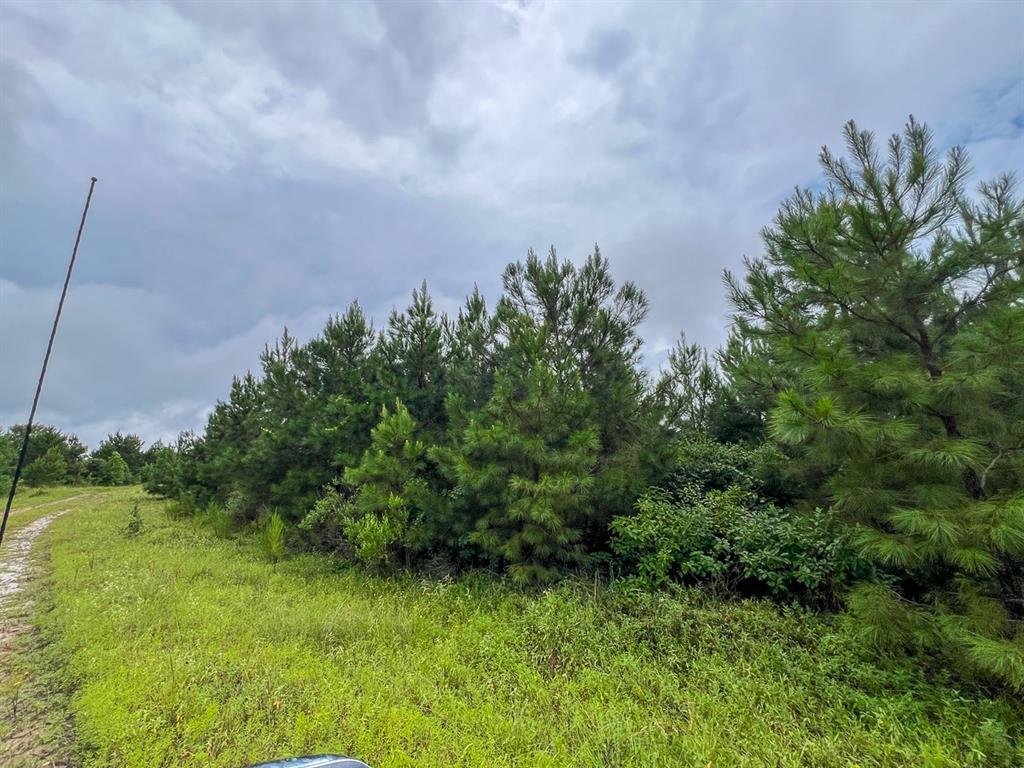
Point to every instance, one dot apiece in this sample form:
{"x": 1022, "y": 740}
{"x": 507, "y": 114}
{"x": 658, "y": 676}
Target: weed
{"x": 134, "y": 526}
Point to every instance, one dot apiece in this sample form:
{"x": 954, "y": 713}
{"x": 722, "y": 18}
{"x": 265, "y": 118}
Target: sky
{"x": 262, "y": 165}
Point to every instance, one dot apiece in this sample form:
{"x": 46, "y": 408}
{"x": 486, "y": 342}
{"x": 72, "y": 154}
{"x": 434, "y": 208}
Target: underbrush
{"x": 187, "y": 649}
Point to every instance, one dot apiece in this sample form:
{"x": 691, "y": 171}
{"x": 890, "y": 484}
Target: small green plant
{"x": 219, "y": 519}
{"x": 373, "y": 537}
{"x": 272, "y": 538}
{"x": 134, "y": 526}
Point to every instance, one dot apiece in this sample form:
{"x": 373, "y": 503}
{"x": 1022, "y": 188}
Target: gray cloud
{"x": 264, "y": 164}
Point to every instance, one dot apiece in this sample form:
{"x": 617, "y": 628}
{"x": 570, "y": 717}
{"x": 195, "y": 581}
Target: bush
{"x": 322, "y": 527}
{"x": 111, "y": 470}
{"x": 733, "y": 540}
{"x": 134, "y": 525}
{"x": 240, "y": 507}
{"x": 337, "y": 523}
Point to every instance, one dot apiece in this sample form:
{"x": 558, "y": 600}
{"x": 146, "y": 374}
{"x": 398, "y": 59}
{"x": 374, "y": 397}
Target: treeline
{"x": 859, "y": 440}
{"x": 56, "y": 458}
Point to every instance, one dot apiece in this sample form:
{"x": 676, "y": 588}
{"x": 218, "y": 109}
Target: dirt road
{"x": 33, "y": 725}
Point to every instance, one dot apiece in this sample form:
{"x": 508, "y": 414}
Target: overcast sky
{"x": 264, "y": 164}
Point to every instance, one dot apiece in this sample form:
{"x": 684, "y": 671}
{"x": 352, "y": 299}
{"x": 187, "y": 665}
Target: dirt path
{"x": 65, "y": 500}
{"x": 33, "y": 728}
{"x": 14, "y": 557}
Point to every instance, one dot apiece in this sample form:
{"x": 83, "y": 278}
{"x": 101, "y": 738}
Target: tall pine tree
{"x": 888, "y": 316}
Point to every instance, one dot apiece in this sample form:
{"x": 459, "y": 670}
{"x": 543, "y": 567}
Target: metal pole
{"x": 46, "y": 360}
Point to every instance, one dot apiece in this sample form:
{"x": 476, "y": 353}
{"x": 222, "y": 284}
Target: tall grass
{"x": 219, "y": 519}
{"x": 189, "y": 650}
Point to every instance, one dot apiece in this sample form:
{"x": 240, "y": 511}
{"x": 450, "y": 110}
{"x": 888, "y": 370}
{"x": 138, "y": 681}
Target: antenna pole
{"x": 46, "y": 360}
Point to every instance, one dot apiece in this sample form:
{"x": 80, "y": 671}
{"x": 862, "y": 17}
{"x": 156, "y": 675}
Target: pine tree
{"x": 470, "y": 346}
{"x": 113, "y": 470}
{"x": 526, "y": 461}
{"x": 588, "y": 331}
{"x": 49, "y": 469}
{"x": 161, "y": 475}
{"x": 888, "y": 316}
{"x": 410, "y": 362}
{"x": 385, "y": 505}
{"x": 687, "y": 389}
{"x": 42, "y": 439}
{"x": 128, "y": 446}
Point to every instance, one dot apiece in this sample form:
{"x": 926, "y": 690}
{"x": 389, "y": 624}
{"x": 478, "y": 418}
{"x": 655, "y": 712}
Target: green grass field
{"x": 184, "y": 649}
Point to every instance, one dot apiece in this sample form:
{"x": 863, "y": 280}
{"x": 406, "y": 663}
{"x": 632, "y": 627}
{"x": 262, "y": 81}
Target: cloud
{"x": 117, "y": 361}
{"x": 268, "y": 163}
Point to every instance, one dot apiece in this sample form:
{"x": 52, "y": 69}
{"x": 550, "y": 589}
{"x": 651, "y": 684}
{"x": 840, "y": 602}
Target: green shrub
{"x": 323, "y": 526}
{"x": 134, "y": 525}
{"x": 338, "y": 523}
{"x": 162, "y": 476}
{"x": 240, "y": 507}
{"x": 272, "y": 538}
{"x": 112, "y": 470}
{"x": 734, "y": 541}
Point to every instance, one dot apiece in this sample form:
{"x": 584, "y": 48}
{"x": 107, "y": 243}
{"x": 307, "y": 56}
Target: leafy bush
{"x": 323, "y": 526}
{"x": 733, "y": 540}
{"x": 338, "y": 523}
{"x": 272, "y": 538}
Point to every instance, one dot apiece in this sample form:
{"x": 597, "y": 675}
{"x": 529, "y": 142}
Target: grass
{"x": 32, "y": 503}
{"x": 186, "y": 649}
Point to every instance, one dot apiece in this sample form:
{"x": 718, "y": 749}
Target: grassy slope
{"x": 32, "y": 503}
{"x": 187, "y": 650}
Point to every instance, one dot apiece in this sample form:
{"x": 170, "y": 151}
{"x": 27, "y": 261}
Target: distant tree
{"x": 470, "y": 348}
{"x": 687, "y": 388}
{"x": 161, "y": 474}
{"x": 42, "y": 439}
{"x": 888, "y": 316}
{"x": 113, "y": 470}
{"x": 49, "y": 469}
{"x": 8, "y": 459}
{"x": 128, "y": 447}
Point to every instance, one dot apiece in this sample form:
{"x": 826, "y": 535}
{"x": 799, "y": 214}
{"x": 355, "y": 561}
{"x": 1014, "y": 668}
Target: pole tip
{"x": 94, "y": 179}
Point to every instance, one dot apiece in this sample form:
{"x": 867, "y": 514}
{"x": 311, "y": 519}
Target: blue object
{"x": 314, "y": 761}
